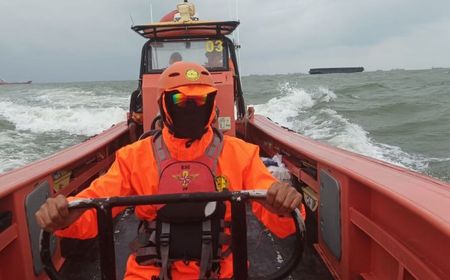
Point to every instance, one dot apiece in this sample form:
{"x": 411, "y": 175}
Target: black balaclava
{"x": 190, "y": 121}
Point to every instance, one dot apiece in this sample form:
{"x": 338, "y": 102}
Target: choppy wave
{"x": 364, "y": 87}
{"x": 379, "y": 114}
{"x": 309, "y": 112}
{"x": 10, "y": 156}
{"x": 77, "y": 97}
{"x": 39, "y": 120}
{"x": 80, "y": 120}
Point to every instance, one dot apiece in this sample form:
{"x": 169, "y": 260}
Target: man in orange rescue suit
{"x": 185, "y": 156}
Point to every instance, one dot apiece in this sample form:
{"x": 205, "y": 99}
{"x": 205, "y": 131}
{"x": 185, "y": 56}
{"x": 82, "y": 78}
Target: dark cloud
{"x": 53, "y": 40}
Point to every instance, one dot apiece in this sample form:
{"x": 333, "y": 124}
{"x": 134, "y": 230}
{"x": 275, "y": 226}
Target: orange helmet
{"x": 190, "y": 79}
{"x": 182, "y": 74}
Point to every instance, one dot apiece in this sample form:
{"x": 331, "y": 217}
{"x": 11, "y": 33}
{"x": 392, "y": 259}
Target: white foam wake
{"x": 76, "y": 97}
{"x": 293, "y": 102}
{"x": 308, "y": 112}
{"x": 74, "y": 120}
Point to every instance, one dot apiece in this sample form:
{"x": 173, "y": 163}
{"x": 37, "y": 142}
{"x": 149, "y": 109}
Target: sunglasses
{"x": 180, "y": 99}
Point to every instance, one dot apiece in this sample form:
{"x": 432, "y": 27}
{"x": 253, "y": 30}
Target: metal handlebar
{"x": 238, "y": 230}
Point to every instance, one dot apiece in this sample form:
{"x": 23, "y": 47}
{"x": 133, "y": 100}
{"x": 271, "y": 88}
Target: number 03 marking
{"x": 212, "y": 46}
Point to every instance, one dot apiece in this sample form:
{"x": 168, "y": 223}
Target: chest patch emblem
{"x": 222, "y": 183}
{"x": 185, "y": 178}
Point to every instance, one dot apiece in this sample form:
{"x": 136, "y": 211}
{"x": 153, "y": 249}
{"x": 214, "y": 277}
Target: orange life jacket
{"x": 135, "y": 172}
{"x": 163, "y": 241}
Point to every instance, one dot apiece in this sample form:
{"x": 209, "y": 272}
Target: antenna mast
{"x": 238, "y": 43}
{"x": 132, "y": 22}
{"x": 151, "y": 11}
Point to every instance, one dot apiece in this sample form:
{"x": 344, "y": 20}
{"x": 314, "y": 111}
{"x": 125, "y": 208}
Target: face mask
{"x": 190, "y": 120}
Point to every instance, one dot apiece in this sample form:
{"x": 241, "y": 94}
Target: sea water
{"x": 398, "y": 116}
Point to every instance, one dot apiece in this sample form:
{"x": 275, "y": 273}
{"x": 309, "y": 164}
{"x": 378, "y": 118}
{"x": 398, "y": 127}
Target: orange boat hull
{"x": 373, "y": 220}
{"x": 395, "y": 223}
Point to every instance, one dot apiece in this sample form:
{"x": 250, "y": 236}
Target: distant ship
{"x": 3, "y": 82}
{"x": 335, "y": 70}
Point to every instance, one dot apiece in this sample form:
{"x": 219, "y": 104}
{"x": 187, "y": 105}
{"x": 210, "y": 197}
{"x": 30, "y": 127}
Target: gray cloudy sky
{"x": 86, "y": 40}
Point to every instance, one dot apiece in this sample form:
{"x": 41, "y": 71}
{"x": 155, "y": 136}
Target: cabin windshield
{"x": 209, "y": 53}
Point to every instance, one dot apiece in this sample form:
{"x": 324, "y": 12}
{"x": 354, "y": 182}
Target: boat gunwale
{"x": 399, "y": 192}
{"x": 17, "y": 178}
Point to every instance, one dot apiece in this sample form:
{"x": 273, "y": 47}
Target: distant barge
{"x": 3, "y": 82}
{"x": 336, "y": 70}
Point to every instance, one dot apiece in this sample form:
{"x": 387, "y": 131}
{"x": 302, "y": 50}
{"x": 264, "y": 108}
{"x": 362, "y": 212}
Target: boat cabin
{"x": 201, "y": 42}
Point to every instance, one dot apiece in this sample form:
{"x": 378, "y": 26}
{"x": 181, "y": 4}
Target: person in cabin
{"x": 187, "y": 155}
{"x": 215, "y": 59}
{"x": 135, "y": 119}
{"x": 175, "y": 57}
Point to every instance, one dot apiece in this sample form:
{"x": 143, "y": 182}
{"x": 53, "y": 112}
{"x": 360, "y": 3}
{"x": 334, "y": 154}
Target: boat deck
{"x": 265, "y": 252}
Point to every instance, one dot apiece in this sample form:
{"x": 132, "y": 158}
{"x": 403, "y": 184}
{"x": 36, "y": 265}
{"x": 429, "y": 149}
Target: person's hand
{"x": 54, "y": 214}
{"x": 282, "y": 198}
